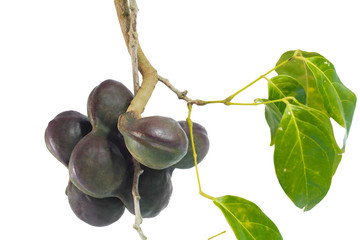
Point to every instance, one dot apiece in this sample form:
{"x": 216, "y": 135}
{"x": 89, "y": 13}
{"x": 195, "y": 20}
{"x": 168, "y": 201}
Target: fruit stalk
{"x": 148, "y": 72}
{"x": 133, "y": 50}
{"x": 133, "y": 45}
{"x": 135, "y": 192}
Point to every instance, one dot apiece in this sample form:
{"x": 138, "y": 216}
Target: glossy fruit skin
{"x": 117, "y": 138}
{"x": 106, "y": 102}
{"x": 97, "y": 166}
{"x": 64, "y": 132}
{"x": 201, "y": 142}
{"x": 97, "y": 212}
{"x": 156, "y": 142}
{"x": 155, "y": 189}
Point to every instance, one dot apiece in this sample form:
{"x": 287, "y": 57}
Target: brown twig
{"x": 148, "y": 72}
{"x": 180, "y": 94}
{"x": 133, "y": 49}
{"x": 135, "y": 192}
{"x": 133, "y": 44}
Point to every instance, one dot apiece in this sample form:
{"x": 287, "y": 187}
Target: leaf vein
{"x": 301, "y": 151}
{"x": 341, "y": 108}
{"x": 237, "y": 220}
{"x": 265, "y": 226}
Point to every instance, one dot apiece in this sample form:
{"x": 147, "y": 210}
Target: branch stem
{"x": 148, "y": 72}
{"x": 180, "y": 94}
{"x": 226, "y": 101}
{"x": 135, "y": 192}
{"x": 260, "y": 102}
{"x": 133, "y": 46}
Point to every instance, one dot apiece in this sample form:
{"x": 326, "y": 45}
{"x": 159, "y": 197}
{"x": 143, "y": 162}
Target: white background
{"x": 53, "y": 53}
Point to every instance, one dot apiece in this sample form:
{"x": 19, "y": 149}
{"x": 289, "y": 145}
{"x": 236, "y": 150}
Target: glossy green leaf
{"x": 305, "y": 155}
{"x": 338, "y": 156}
{"x": 283, "y": 86}
{"x": 297, "y": 69}
{"x": 339, "y": 101}
{"x": 273, "y": 117}
{"x": 246, "y": 219}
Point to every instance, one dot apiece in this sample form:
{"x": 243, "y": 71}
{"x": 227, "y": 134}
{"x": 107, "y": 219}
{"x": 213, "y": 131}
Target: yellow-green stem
{"x": 258, "y": 102}
{"x": 227, "y": 101}
{"x": 190, "y": 123}
{"x": 217, "y": 235}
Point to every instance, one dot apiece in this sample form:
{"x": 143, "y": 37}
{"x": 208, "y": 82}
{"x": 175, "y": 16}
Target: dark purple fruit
{"x": 106, "y": 102}
{"x": 201, "y": 142}
{"x": 155, "y": 189}
{"x": 64, "y": 132}
{"x": 97, "y": 166}
{"x": 117, "y": 138}
{"x": 97, "y": 212}
{"x": 156, "y": 142}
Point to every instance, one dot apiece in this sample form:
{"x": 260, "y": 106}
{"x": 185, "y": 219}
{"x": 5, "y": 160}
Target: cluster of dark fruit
{"x": 99, "y": 156}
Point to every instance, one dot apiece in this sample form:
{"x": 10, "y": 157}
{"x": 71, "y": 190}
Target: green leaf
{"x": 273, "y": 117}
{"x": 283, "y": 86}
{"x": 305, "y": 155}
{"x": 297, "y": 69}
{"x": 339, "y": 101}
{"x": 246, "y": 219}
{"x": 338, "y": 156}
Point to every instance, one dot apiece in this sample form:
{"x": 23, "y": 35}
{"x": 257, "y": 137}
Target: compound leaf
{"x": 305, "y": 155}
{"x": 246, "y": 219}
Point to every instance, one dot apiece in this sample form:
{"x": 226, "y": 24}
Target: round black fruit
{"x": 64, "y": 132}
{"x": 106, "y": 102}
{"x": 97, "y": 212}
{"x": 201, "y": 142}
{"x": 156, "y": 142}
{"x": 97, "y": 166}
{"x": 155, "y": 189}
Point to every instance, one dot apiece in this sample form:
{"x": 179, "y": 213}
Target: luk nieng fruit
{"x": 64, "y": 132}
{"x": 156, "y": 142}
{"x": 97, "y": 166}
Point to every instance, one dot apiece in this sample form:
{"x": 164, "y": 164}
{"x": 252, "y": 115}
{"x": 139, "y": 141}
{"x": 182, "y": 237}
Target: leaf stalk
{"x": 227, "y": 101}
{"x": 190, "y": 123}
